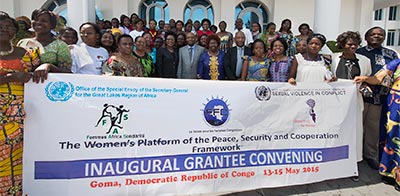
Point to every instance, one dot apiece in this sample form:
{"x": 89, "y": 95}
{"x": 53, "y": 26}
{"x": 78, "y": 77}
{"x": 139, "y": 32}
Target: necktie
{"x": 190, "y": 53}
{"x": 239, "y": 62}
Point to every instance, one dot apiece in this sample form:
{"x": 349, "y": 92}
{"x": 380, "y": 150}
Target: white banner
{"x": 120, "y": 136}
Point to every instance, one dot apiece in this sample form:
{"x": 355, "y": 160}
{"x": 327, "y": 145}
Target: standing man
{"x": 233, "y": 57}
{"x": 375, "y": 107}
{"x": 247, "y": 32}
{"x": 189, "y": 57}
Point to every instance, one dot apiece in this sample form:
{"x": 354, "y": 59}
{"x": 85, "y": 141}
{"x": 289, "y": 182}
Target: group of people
{"x": 197, "y": 50}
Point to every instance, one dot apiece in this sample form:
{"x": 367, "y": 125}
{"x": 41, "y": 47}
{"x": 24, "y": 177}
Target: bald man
{"x": 233, "y": 57}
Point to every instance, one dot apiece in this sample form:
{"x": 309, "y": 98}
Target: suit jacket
{"x": 231, "y": 60}
{"x": 187, "y": 69}
{"x": 167, "y": 63}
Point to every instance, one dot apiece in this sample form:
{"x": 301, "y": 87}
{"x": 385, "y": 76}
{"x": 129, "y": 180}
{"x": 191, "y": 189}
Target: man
{"x": 373, "y": 113}
{"x": 233, "y": 57}
{"x": 247, "y": 32}
{"x": 189, "y": 57}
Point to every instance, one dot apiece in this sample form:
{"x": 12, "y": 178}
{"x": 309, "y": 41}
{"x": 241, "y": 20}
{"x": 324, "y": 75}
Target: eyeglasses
{"x": 86, "y": 34}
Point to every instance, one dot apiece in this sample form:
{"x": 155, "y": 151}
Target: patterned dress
{"x": 291, "y": 41}
{"x": 279, "y": 70}
{"x": 211, "y": 67}
{"x": 56, "y": 53}
{"x": 115, "y": 66}
{"x": 11, "y": 124}
{"x": 390, "y": 163}
{"x": 257, "y": 71}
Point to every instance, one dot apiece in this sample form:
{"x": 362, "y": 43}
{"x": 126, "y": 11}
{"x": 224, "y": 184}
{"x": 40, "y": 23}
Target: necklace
{"x": 5, "y": 53}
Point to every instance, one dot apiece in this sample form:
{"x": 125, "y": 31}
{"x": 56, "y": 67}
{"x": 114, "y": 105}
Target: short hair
{"x": 153, "y": 20}
{"x": 180, "y": 21}
{"x": 123, "y": 36}
{"x": 373, "y": 28}
{"x": 213, "y": 26}
{"x": 304, "y": 25}
{"x": 259, "y": 26}
{"x": 139, "y": 20}
{"x": 270, "y": 24}
{"x": 205, "y": 20}
{"x": 256, "y": 41}
{"x": 168, "y": 33}
{"x": 181, "y": 34}
{"x": 53, "y": 18}
{"x": 285, "y": 45}
{"x": 96, "y": 28}
{"x": 346, "y": 36}
{"x": 213, "y": 37}
{"x": 5, "y": 16}
{"x": 63, "y": 31}
{"x": 321, "y": 37}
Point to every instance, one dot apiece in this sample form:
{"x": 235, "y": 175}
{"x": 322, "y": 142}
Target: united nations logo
{"x": 263, "y": 93}
{"x": 216, "y": 112}
{"x": 59, "y": 91}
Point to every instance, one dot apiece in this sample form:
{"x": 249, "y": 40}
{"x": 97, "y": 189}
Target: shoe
{"x": 388, "y": 180}
{"x": 372, "y": 163}
{"x": 355, "y": 179}
{"x": 397, "y": 187}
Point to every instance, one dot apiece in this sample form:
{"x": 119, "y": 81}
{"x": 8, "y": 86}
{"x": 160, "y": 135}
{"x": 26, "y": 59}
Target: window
{"x": 198, "y": 10}
{"x": 392, "y": 13}
{"x": 378, "y": 14}
{"x": 60, "y": 7}
{"x": 154, "y": 9}
{"x": 390, "y": 38}
{"x": 398, "y": 33}
{"x": 251, "y": 12}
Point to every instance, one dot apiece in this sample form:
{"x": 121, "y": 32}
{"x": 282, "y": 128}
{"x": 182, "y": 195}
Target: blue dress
{"x": 211, "y": 67}
{"x": 390, "y": 162}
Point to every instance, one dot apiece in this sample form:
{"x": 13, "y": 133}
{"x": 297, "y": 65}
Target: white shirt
{"x": 247, "y": 34}
{"x": 87, "y": 60}
{"x": 135, "y": 34}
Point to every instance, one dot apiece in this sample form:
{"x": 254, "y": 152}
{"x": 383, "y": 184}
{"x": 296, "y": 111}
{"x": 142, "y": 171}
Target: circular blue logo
{"x": 216, "y": 112}
{"x": 59, "y": 91}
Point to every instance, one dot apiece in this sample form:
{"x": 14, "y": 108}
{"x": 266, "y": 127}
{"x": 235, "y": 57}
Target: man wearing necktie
{"x": 188, "y": 58}
{"x": 233, "y": 57}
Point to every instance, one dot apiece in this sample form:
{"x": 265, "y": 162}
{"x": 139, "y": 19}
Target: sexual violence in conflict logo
{"x": 216, "y": 111}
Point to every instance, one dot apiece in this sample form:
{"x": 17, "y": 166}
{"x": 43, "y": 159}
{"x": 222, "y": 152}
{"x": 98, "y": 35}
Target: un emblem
{"x": 59, "y": 91}
{"x": 216, "y": 112}
{"x": 263, "y": 93}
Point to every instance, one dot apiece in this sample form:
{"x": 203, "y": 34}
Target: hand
{"x": 22, "y": 77}
{"x": 40, "y": 73}
{"x": 360, "y": 79}
{"x": 292, "y": 81}
{"x": 333, "y": 79}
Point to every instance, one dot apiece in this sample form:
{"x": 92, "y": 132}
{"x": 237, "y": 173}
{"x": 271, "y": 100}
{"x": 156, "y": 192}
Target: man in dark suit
{"x": 233, "y": 57}
{"x": 188, "y": 58}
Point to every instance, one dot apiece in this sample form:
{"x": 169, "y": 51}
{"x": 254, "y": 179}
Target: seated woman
{"x": 280, "y": 63}
{"x": 211, "y": 62}
{"x": 389, "y": 166}
{"x": 255, "y": 68}
{"x": 88, "y": 56}
{"x": 123, "y": 63}
{"x": 311, "y": 66}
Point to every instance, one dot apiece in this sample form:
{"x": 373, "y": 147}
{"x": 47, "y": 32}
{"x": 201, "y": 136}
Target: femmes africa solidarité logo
{"x": 113, "y": 116}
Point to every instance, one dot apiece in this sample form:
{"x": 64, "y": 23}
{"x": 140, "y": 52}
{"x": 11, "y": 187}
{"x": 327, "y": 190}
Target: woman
{"x": 13, "y": 75}
{"x": 347, "y": 65}
{"x": 168, "y": 57}
{"x": 255, "y": 67}
{"x": 24, "y": 24}
{"x": 68, "y": 35}
{"x": 179, "y": 26}
{"x": 205, "y": 24}
{"x": 180, "y": 40}
{"x": 54, "y": 53}
{"x": 311, "y": 66}
{"x": 144, "y": 58}
{"x": 203, "y": 40}
{"x": 188, "y": 27}
{"x": 225, "y": 36}
{"x": 108, "y": 42}
{"x": 270, "y": 35}
{"x": 158, "y": 43}
{"x": 123, "y": 63}
{"x": 214, "y": 29}
{"x": 301, "y": 47}
{"x": 280, "y": 64}
{"x": 286, "y": 34}
{"x": 304, "y": 30}
{"x": 88, "y": 56}
{"x": 256, "y": 30}
{"x": 211, "y": 62}
{"x": 389, "y": 167}
{"x": 125, "y": 24}
{"x": 149, "y": 46}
